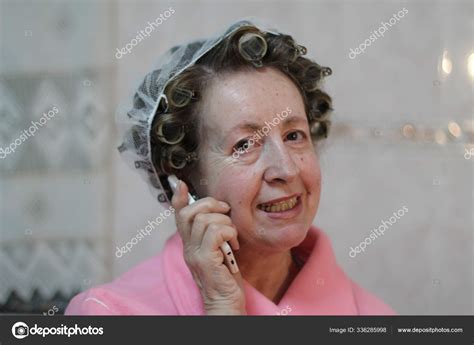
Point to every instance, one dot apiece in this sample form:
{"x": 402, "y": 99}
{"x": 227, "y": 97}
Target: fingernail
{"x": 224, "y": 204}
{"x": 178, "y": 186}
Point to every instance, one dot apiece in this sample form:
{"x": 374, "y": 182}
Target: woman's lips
{"x": 296, "y": 210}
{"x": 274, "y": 201}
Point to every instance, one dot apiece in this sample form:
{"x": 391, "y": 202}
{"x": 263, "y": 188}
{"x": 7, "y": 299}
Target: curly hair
{"x": 177, "y": 132}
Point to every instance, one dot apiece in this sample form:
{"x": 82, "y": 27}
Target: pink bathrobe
{"x": 163, "y": 285}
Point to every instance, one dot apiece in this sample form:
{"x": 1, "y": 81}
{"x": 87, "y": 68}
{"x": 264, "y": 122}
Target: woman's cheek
{"x": 313, "y": 179}
{"x": 229, "y": 187}
{"x": 240, "y": 193}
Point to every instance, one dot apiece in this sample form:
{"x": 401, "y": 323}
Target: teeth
{"x": 279, "y": 206}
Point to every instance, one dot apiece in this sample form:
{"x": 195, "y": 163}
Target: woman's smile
{"x": 287, "y": 209}
{"x": 287, "y": 214}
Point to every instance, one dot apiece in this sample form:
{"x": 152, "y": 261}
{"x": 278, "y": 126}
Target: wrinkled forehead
{"x": 247, "y": 97}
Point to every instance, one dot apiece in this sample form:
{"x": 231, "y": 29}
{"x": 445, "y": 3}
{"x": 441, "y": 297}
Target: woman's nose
{"x": 278, "y": 162}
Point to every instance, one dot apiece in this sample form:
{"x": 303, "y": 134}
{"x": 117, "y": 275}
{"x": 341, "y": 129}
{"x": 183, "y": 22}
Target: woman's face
{"x": 281, "y": 163}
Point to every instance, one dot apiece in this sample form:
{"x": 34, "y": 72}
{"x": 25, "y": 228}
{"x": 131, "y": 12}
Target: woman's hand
{"x": 203, "y": 227}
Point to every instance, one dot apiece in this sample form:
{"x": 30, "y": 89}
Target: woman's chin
{"x": 284, "y": 237}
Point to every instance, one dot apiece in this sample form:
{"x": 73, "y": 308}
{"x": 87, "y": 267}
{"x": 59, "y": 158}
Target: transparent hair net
{"x": 136, "y": 125}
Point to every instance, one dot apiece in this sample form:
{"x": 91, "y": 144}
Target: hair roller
{"x": 298, "y": 51}
{"x": 320, "y": 105}
{"x": 320, "y": 129}
{"x": 253, "y": 47}
{"x": 170, "y": 131}
{"x": 301, "y": 49}
{"x": 180, "y": 97}
{"x": 326, "y": 71}
{"x": 313, "y": 75}
{"x": 178, "y": 157}
{"x": 323, "y": 106}
{"x": 317, "y": 115}
{"x": 295, "y": 50}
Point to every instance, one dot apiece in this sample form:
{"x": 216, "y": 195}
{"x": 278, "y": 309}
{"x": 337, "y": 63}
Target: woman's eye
{"x": 294, "y": 134}
{"x": 242, "y": 145}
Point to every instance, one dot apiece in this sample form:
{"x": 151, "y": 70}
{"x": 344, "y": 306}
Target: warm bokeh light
{"x": 408, "y": 131}
{"x": 470, "y": 65}
{"x": 454, "y": 129}
{"x": 446, "y": 64}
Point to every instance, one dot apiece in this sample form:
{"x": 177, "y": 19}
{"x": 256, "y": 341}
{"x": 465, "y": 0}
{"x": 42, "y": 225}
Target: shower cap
{"x": 135, "y": 126}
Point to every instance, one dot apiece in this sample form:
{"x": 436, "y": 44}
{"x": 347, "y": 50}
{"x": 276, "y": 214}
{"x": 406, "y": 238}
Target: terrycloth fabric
{"x": 163, "y": 285}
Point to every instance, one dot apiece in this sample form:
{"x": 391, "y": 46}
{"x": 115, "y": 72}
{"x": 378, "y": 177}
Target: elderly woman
{"x": 237, "y": 119}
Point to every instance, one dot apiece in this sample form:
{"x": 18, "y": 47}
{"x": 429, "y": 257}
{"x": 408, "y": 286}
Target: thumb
{"x": 180, "y": 197}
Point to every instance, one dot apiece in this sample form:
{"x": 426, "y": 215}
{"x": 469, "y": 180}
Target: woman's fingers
{"x": 179, "y": 201}
{"x": 215, "y": 235}
{"x": 234, "y": 241}
{"x": 194, "y": 220}
{"x": 185, "y": 213}
{"x": 201, "y": 222}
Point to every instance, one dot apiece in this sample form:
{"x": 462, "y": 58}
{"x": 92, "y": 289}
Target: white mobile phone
{"x": 229, "y": 258}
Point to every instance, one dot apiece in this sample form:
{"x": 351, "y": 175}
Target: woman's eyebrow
{"x": 255, "y": 126}
{"x": 294, "y": 120}
{"x": 244, "y": 126}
